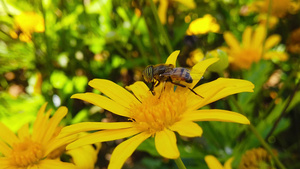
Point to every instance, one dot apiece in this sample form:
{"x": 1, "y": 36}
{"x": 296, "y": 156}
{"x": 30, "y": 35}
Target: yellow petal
{"x": 39, "y": 126}
{"x": 201, "y": 67}
{"x": 53, "y": 123}
{"x": 91, "y": 126}
{"x": 258, "y": 37}
{"x": 23, "y": 131}
{"x": 231, "y": 41}
{"x": 162, "y": 11}
{"x": 58, "y": 142}
{"x": 173, "y": 57}
{"x": 49, "y": 164}
{"x": 187, "y": 128}
{"x": 272, "y": 41}
{"x": 102, "y": 136}
{"x": 212, "y": 162}
{"x": 7, "y": 135}
{"x": 216, "y": 90}
{"x": 114, "y": 91}
{"x": 125, "y": 149}
{"x": 165, "y": 143}
{"x": 247, "y": 37}
{"x": 103, "y": 102}
{"x": 4, "y": 149}
{"x": 227, "y": 164}
{"x": 215, "y": 115}
{"x": 140, "y": 90}
{"x": 5, "y": 162}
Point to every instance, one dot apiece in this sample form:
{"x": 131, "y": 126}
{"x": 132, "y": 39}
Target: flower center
{"x": 26, "y": 153}
{"x": 159, "y": 111}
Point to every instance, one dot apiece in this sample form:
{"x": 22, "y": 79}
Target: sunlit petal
{"x": 199, "y": 69}
{"x": 103, "y": 102}
{"x": 7, "y": 135}
{"x": 140, "y": 90}
{"x": 53, "y": 123}
{"x": 172, "y": 58}
{"x": 212, "y": 162}
{"x": 91, "y": 126}
{"x": 23, "y": 131}
{"x": 102, "y": 136}
{"x": 4, "y": 149}
{"x": 187, "y": 129}
{"x": 215, "y": 115}
{"x": 125, "y": 149}
{"x": 114, "y": 91}
{"x": 216, "y": 90}
{"x": 165, "y": 143}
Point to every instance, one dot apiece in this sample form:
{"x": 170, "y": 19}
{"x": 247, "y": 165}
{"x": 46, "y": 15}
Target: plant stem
{"x": 179, "y": 163}
{"x": 160, "y": 27}
{"x": 259, "y": 137}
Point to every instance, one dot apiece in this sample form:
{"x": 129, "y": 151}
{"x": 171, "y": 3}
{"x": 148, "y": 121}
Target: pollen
{"x": 26, "y": 153}
{"x": 159, "y": 111}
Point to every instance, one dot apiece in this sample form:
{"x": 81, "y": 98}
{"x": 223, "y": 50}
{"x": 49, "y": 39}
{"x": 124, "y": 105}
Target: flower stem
{"x": 160, "y": 27}
{"x": 259, "y": 137}
{"x": 179, "y": 163}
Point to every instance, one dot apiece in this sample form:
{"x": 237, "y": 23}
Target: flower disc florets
{"x": 159, "y": 111}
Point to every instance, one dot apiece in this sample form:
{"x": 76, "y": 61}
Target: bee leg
{"x": 181, "y": 85}
{"x": 162, "y": 89}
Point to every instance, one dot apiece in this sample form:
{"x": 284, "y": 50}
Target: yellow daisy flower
{"x": 25, "y": 24}
{"x": 158, "y": 116}
{"x": 203, "y": 25}
{"x": 213, "y": 162}
{"x": 241, "y": 56}
{"x": 25, "y": 150}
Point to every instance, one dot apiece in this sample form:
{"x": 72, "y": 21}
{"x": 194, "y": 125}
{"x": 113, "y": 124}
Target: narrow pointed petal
{"x": 258, "y": 37}
{"x": 53, "y": 123}
{"x": 247, "y": 37}
{"x": 7, "y": 135}
{"x": 212, "y": 162}
{"x": 162, "y": 11}
{"x": 227, "y": 164}
{"x": 216, "y": 90}
{"x": 140, "y": 90}
{"x": 231, "y": 41}
{"x": 272, "y": 41}
{"x": 23, "y": 131}
{"x": 58, "y": 142}
{"x": 102, "y": 136}
{"x": 215, "y": 115}
{"x": 187, "y": 129}
{"x": 172, "y": 58}
{"x": 199, "y": 70}
{"x": 124, "y": 150}
{"x": 50, "y": 164}
{"x": 165, "y": 143}
{"x": 4, "y": 149}
{"x": 114, "y": 91}
{"x": 92, "y": 126}
{"x": 103, "y": 102}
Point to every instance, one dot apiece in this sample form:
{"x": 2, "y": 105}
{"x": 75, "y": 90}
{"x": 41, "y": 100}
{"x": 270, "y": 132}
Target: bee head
{"x": 148, "y": 74}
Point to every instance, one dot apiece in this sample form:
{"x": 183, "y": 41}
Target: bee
{"x": 155, "y": 74}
